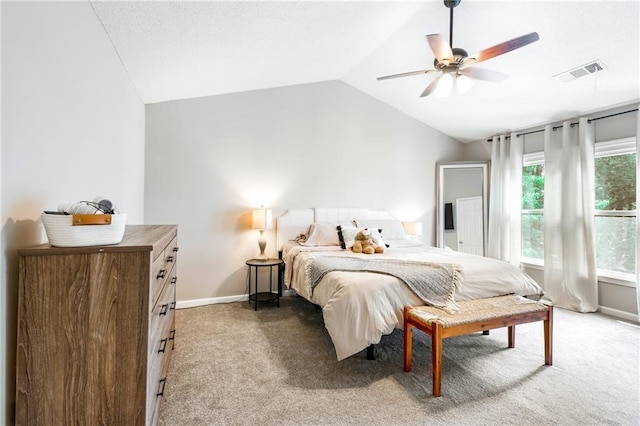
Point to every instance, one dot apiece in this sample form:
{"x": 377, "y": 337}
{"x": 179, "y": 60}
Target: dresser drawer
{"x": 159, "y": 275}
{"x": 171, "y": 252}
{"x": 162, "y": 345}
{"x": 156, "y": 384}
{"x": 162, "y": 265}
{"x": 159, "y": 363}
{"x": 162, "y": 382}
{"x": 161, "y": 315}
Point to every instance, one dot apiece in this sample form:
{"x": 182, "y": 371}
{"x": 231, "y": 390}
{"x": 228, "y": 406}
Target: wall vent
{"x": 581, "y": 71}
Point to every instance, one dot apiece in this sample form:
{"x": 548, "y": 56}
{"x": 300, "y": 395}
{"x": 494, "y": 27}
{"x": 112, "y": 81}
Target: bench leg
{"x": 548, "y": 338}
{"x": 408, "y": 339}
{"x": 436, "y": 358}
{"x": 511, "y": 332}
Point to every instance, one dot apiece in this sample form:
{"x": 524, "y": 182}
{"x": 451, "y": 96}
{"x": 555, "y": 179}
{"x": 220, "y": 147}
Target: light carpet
{"x": 234, "y": 366}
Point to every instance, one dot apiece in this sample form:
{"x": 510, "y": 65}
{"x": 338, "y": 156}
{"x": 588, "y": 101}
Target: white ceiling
{"x": 177, "y": 50}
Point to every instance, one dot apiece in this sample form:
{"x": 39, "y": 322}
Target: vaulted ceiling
{"x": 178, "y": 50}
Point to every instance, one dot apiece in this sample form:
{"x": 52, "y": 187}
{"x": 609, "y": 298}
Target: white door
{"x": 469, "y": 223}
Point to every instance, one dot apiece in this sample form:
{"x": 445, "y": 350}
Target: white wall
{"x": 614, "y": 298}
{"x": 209, "y": 161}
{"x": 72, "y": 128}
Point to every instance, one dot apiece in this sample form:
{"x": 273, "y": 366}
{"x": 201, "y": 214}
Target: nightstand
{"x": 256, "y": 295}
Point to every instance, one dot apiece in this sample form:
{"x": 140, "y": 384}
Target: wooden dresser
{"x": 96, "y": 330}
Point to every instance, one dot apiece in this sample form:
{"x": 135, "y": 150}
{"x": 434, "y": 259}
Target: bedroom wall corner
{"x": 476, "y": 151}
{"x": 210, "y": 160}
{"x": 72, "y": 128}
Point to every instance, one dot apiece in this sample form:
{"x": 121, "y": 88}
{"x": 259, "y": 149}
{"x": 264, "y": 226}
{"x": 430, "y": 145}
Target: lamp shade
{"x": 261, "y": 219}
{"x": 463, "y": 83}
{"x": 444, "y": 85}
{"x": 412, "y": 228}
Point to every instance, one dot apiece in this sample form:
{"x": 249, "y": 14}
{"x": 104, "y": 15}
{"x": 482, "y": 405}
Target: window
{"x": 532, "y": 207}
{"x": 615, "y": 195}
{"x": 615, "y": 208}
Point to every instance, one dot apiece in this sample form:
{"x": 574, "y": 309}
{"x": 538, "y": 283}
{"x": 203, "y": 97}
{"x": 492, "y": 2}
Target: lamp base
{"x": 262, "y": 243}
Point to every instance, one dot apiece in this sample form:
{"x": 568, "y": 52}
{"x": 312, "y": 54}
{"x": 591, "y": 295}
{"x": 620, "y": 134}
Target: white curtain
{"x": 505, "y": 200}
{"x": 638, "y": 208}
{"x": 570, "y": 279}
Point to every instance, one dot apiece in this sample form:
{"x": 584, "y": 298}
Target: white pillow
{"x": 391, "y": 228}
{"x": 349, "y": 236}
{"x": 377, "y": 238}
{"x": 322, "y": 234}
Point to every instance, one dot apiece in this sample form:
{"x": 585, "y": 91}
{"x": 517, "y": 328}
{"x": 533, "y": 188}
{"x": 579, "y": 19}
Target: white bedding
{"x": 359, "y": 307}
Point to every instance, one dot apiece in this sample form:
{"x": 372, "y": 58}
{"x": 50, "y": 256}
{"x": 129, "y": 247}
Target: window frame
{"x": 532, "y": 159}
{"x": 602, "y": 149}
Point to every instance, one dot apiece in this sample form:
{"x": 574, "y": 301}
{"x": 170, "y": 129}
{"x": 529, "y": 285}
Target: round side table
{"x": 256, "y": 296}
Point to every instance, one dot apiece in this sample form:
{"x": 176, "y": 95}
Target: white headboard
{"x": 295, "y": 221}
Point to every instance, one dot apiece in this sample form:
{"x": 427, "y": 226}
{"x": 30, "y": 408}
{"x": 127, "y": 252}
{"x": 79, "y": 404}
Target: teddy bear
{"x": 364, "y": 243}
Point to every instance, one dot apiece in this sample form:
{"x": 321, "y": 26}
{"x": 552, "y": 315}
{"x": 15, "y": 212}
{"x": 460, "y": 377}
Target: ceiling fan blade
{"x": 406, "y": 74}
{"x": 440, "y": 47}
{"x": 484, "y": 74}
{"x": 431, "y": 87}
{"x": 502, "y": 48}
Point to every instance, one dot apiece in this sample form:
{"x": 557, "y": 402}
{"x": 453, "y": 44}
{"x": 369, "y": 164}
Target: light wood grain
{"x": 439, "y": 332}
{"x": 84, "y": 324}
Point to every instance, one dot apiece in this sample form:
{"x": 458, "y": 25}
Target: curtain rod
{"x": 612, "y": 115}
{"x": 573, "y": 124}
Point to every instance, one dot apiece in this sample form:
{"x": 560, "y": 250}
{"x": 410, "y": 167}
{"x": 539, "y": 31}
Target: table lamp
{"x": 413, "y": 229}
{"x": 261, "y": 219}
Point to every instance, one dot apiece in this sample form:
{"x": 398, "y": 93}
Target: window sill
{"x": 532, "y": 264}
{"x": 609, "y": 277}
{"x": 618, "y": 278}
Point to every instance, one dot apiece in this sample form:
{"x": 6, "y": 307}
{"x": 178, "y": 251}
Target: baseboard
{"x": 227, "y": 299}
{"x": 243, "y": 298}
{"x": 619, "y": 314}
{"x": 210, "y": 301}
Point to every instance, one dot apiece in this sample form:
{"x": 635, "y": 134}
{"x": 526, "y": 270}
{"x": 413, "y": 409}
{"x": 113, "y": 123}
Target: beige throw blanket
{"x": 435, "y": 284}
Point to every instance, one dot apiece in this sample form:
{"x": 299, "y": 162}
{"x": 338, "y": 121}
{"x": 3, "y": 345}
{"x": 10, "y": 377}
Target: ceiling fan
{"x": 455, "y": 65}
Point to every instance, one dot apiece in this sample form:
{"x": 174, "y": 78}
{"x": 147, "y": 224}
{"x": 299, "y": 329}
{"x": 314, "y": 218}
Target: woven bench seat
{"x": 474, "y": 316}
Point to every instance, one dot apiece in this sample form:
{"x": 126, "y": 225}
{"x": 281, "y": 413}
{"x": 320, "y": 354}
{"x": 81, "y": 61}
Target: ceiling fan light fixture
{"x": 444, "y": 86}
{"x": 457, "y": 67}
{"x": 463, "y": 83}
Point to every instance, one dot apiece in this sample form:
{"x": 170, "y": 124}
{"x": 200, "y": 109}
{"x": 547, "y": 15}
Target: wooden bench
{"x": 474, "y": 316}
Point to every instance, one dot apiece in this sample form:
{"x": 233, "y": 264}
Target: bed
{"x": 359, "y": 307}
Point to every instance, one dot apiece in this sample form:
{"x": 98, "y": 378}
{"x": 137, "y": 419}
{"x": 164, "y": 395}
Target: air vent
{"x": 581, "y": 71}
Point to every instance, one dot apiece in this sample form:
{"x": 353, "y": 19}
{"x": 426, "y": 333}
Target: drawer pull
{"x": 172, "y": 306}
{"x": 175, "y": 249}
{"x": 169, "y": 259}
{"x": 174, "y": 280}
{"x": 161, "y": 385}
{"x": 161, "y": 273}
{"x": 164, "y": 309}
{"x": 163, "y": 346}
{"x": 172, "y": 337}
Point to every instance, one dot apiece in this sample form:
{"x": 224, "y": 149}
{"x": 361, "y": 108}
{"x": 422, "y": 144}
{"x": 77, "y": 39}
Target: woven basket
{"x": 84, "y": 229}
